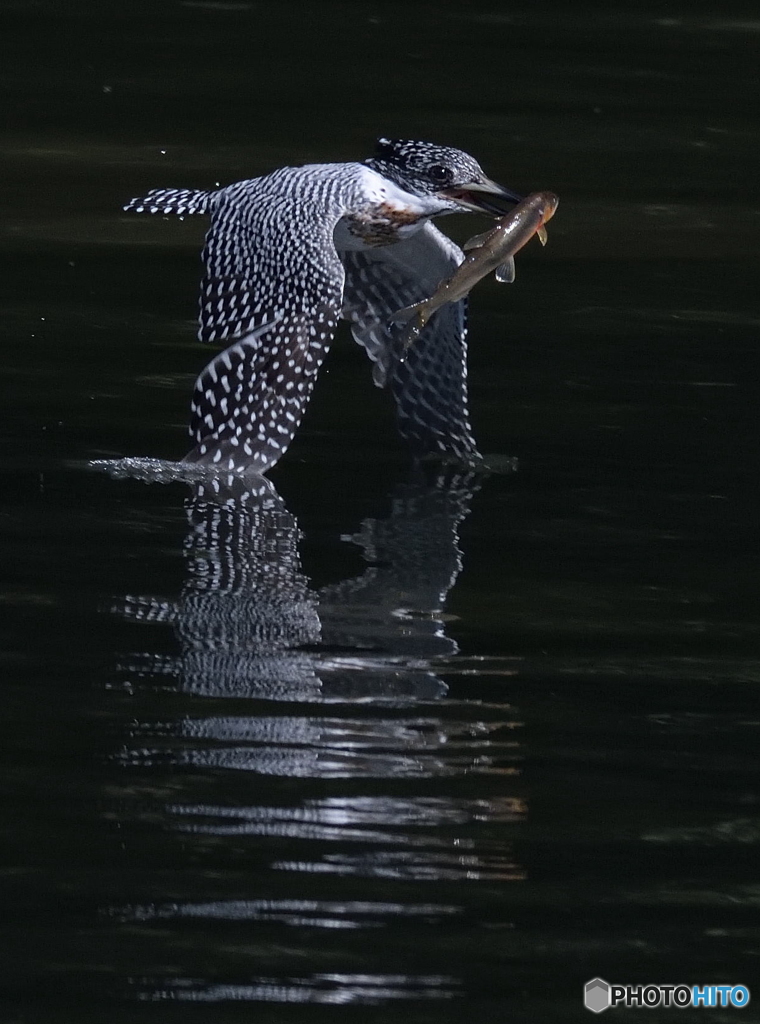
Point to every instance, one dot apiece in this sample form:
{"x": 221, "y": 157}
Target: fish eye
{"x": 440, "y": 174}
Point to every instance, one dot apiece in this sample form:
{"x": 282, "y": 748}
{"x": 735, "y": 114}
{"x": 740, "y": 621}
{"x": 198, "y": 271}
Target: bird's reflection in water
{"x": 341, "y": 688}
{"x": 246, "y": 607}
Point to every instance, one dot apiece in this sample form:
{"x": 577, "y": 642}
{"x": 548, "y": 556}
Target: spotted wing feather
{"x": 273, "y": 286}
{"x": 429, "y": 385}
{"x": 249, "y": 400}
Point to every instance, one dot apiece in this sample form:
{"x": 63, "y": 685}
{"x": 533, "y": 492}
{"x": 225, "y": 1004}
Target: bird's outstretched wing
{"x": 274, "y": 289}
{"x": 273, "y": 285}
{"x": 430, "y": 385}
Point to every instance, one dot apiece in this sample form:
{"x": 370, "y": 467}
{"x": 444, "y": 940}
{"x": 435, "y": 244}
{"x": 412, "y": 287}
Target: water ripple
{"x": 363, "y": 989}
{"x": 303, "y": 747}
{"x": 296, "y": 912}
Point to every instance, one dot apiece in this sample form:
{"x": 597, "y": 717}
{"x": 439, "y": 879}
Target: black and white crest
{"x": 423, "y": 168}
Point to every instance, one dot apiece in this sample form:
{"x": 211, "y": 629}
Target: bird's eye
{"x": 439, "y": 174}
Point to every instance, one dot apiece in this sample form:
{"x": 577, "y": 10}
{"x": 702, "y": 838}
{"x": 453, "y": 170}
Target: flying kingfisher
{"x": 289, "y": 254}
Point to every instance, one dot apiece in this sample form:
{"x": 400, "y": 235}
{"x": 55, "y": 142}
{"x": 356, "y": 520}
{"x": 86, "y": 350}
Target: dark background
{"x": 609, "y": 587}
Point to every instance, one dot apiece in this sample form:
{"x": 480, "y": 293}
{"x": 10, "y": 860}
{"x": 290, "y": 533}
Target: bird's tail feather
{"x": 180, "y": 201}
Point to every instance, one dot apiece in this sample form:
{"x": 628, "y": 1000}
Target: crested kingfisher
{"x": 289, "y": 254}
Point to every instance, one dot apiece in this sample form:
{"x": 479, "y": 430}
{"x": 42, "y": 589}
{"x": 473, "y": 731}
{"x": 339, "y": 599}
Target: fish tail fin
{"x": 413, "y": 318}
{"x": 403, "y": 316}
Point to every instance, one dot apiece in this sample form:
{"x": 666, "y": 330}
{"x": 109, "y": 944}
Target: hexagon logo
{"x": 596, "y": 995}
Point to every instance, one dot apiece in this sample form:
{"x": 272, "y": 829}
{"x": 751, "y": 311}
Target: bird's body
{"x": 287, "y": 255}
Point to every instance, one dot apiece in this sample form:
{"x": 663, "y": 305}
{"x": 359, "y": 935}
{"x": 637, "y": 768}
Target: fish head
{"x": 549, "y": 203}
{"x": 546, "y": 204}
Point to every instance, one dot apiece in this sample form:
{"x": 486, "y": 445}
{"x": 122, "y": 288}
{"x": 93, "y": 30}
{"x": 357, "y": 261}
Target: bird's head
{"x": 450, "y": 175}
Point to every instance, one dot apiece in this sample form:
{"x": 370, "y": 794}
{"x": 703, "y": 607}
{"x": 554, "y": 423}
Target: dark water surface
{"x": 374, "y": 745}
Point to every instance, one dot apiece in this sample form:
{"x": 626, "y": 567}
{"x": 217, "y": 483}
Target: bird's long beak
{"x": 484, "y": 196}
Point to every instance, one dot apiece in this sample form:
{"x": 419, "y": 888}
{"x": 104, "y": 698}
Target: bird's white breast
{"x": 386, "y": 214}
